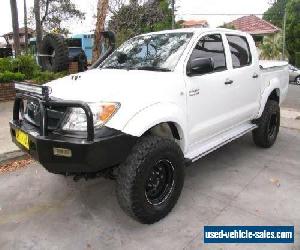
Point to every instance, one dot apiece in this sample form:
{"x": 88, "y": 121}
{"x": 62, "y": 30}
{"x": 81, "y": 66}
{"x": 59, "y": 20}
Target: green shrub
{"x": 25, "y": 68}
{"x": 42, "y": 77}
{"x": 5, "y": 64}
{"x": 25, "y": 64}
{"x": 8, "y": 76}
{"x": 297, "y": 59}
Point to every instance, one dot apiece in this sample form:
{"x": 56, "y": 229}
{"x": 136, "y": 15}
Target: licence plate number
{"x": 22, "y": 138}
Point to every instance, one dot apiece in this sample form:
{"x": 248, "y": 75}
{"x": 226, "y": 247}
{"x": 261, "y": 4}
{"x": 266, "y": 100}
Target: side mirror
{"x": 200, "y": 66}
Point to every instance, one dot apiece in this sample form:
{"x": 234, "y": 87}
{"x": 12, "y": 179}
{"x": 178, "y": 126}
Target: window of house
{"x": 240, "y": 51}
{"x": 211, "y": 46}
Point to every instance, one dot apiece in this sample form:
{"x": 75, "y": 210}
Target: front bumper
{"x": 109, "y": 148}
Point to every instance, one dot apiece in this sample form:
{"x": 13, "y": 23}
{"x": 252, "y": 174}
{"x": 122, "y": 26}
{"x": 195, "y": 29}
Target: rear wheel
{"x": 297, "y": 80}
{"x": 268, "y": 126}
{"x": 149, "y": 183}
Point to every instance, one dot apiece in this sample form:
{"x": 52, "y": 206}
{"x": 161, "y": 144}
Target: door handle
{"x": 228, "y": 82}
{"x": 255, "y": 75}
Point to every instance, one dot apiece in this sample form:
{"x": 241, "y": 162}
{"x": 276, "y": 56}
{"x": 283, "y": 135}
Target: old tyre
{"x": 82, "y": 62}
{"x": 268, "y": 126}
{"x": 54, "y": 53}
{"x": 150, "y": 181}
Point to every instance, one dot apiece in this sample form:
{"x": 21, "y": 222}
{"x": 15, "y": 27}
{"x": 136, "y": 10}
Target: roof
{"x": 21, "y": 31}
{"x": 254, "y": 25}
{"x": 192, "y": 23}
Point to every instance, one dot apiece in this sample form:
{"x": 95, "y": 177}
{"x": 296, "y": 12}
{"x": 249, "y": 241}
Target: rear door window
{"x": 240, "y": 51}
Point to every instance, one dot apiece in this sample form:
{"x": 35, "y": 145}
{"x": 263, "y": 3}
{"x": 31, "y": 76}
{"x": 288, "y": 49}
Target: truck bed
{"x": 266, "y": 64}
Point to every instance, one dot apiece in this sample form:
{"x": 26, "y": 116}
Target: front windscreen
{"x": 157, "y": 52}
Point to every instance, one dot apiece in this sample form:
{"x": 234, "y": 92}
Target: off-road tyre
{"x": 55, "y": 45}
{"x": 82, "y": 62}
{"x": 268, "y": 126}
{"x": 133, "y": 179}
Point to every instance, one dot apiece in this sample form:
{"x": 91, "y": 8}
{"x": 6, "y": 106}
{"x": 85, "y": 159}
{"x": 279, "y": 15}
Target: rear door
{"x": 244, "y": 72}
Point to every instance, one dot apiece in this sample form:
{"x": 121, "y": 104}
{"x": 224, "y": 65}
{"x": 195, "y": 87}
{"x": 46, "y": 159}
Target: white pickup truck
{"x": 159, "y": 102}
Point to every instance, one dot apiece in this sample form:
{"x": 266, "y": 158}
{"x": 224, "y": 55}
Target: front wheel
{"x": 268, "y": 126}
{"x": 150, "y": 181}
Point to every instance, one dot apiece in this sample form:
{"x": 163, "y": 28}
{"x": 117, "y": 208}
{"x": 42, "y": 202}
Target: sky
{"x": 186, "y": 9}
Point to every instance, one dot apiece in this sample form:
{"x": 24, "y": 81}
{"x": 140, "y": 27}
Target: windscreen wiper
{"x": 115, "y": 67}
{"x": 153, "y": 68}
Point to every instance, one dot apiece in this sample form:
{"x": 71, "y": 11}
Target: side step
{"x": 217, "y": 142}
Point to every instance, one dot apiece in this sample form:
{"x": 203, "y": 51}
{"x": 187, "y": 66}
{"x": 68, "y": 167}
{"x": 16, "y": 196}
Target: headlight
{"x": 102, "y": 113}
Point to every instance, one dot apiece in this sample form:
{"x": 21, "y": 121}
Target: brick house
{"x": 255, "y": 26}
{"x": 9, "y": 37}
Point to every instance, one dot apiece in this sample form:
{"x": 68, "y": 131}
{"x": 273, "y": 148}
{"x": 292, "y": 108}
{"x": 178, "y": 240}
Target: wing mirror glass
{"x": 200, "y": 66}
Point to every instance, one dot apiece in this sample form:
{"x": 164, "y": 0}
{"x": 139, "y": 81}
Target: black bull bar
{"x": 41, "y": 94}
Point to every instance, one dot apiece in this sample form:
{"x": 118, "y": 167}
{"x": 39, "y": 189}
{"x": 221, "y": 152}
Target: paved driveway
{"x": 237, "y": 185}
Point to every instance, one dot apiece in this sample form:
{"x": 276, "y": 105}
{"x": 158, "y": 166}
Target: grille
{"x": 55, "y": 115}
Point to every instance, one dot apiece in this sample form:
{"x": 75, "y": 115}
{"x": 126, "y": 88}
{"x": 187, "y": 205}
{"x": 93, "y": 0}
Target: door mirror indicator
{"x": 200, "y": 66}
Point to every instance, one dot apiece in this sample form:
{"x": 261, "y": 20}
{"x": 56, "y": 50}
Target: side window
{"x": 211, "y": 46}
{"x": 240, "y": 51}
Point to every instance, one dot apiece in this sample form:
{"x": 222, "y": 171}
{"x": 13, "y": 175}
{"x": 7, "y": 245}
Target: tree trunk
{"x": 102, "y": 9}
{"x": 25, "y": 26}
{"x": 38, "y": 25}
{"x": 15, "y": 25}
{"x": 173, "y": 13}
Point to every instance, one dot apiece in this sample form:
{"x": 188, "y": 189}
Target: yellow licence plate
{"x": 22, "y": 138}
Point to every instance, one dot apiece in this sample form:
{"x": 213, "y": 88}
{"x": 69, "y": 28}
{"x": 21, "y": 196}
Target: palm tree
{"x": 15, "y": 26}
{"x": 271, "y": 48}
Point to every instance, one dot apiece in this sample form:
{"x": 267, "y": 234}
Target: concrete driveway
{"x": 236, "y": 185}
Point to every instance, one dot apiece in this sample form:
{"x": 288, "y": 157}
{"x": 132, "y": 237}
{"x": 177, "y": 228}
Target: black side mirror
{"x": 122, "y": 58}
{"x": 200, "y": 66}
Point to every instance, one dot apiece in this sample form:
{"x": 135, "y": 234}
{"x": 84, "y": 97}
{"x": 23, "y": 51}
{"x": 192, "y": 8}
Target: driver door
{"x": 210, "y": 96}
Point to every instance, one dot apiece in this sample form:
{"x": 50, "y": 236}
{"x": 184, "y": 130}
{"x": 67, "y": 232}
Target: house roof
{"x": 21, "y": 31}
{"x": 254, "y": 25}
{"x": 192, "y": 23}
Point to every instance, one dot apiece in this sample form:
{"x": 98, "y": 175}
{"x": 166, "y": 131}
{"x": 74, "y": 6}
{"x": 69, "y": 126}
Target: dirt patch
{"x": 15, "y": 165}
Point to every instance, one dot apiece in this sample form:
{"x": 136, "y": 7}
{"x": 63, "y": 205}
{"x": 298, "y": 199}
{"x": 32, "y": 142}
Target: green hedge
{"x": 298, "y": 59}
{"x": 8, "y": 76}
{"x": 24, "y": 68}
{"x": 24, "y": 64}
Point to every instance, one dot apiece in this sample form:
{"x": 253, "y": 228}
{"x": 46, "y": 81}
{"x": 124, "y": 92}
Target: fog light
{"x": 64, "y": 152}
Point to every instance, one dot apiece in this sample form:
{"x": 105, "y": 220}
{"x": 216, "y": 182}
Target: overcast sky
{"x": 186, "y": 9}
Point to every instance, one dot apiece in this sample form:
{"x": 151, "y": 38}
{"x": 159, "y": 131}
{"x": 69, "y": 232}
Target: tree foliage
{"x": 137, "y": 18}
{"x": 293, "y": 29}
{"x": 54, "y": 14}
{"x": 275, "y": 15}
{"x": 276, "y": 12}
